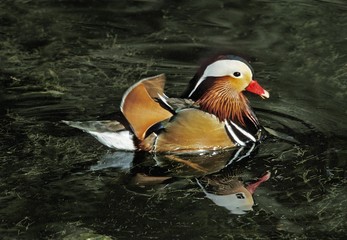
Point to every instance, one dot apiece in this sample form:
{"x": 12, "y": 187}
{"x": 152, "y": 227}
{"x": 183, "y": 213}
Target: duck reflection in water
{"x": 218, "y": 177}
{"x": 229, "y": 191}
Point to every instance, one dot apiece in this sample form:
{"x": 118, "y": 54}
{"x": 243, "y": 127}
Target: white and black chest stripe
{"x": 239, "y": 135}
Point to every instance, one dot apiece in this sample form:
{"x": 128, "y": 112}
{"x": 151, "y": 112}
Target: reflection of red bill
{"x": 252, "y": 187}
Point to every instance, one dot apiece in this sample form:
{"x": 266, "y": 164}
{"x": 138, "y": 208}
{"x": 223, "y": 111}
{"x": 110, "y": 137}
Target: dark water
{"x": 73, "y": 60}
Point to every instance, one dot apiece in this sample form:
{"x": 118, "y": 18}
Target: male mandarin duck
{"x": 213, "y": 113}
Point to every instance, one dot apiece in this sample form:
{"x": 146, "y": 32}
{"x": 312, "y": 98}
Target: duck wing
{"x": 177, "y": 104}
{"x": 193, "y": 130}
{"x": 140, "y": 107}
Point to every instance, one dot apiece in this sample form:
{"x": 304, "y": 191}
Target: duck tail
{"x": 113, "y": 134}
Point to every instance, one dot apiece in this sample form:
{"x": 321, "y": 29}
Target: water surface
{"x": 72, "y": 60}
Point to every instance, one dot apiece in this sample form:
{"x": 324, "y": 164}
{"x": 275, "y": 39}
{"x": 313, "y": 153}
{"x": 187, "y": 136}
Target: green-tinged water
{"x": 72, "y": 60}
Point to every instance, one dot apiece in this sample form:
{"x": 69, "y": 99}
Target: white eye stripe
{"x": 223, "y": 68}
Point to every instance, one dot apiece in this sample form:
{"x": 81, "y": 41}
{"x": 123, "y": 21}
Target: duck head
{"x": 218, "y": 87}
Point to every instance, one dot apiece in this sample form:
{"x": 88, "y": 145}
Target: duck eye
{"x": 237, "y": 74}
{"x": 240, "y": 196}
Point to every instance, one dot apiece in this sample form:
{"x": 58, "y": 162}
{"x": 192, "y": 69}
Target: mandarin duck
{"x": 212, "y": 114}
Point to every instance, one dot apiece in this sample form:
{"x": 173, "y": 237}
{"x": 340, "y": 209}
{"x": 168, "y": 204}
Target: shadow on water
{"x": 73, "y": 60}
